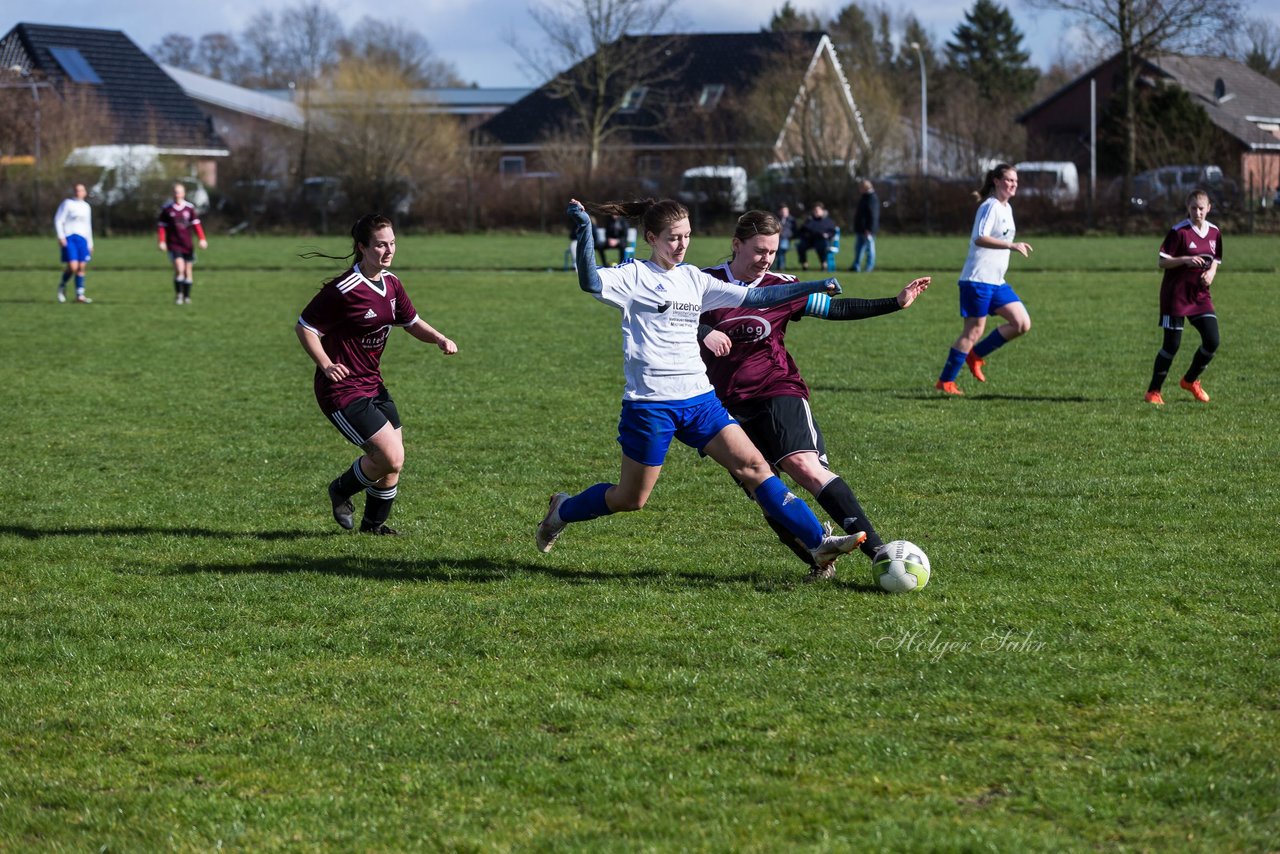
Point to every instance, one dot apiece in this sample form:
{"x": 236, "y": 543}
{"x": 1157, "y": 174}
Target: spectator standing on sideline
{"x": 815, "y": 234}
{"x": 983, "y": 290}
{"x": 344, "y": 329}
{"x": 73, "y": 224}
{"x": 786, "y": 233}
{"x": 178, "y": 219}
{"x": 668, "y": 395}
{"x": 1189, "y": 256}
{"x": 866, "y": 222}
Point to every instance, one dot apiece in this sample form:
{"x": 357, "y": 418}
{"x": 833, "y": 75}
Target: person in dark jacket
{"x": 815, "y": 234}
{"x": 866, "y": 222}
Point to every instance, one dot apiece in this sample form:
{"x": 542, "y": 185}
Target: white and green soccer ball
{"x": 900, "y": 567}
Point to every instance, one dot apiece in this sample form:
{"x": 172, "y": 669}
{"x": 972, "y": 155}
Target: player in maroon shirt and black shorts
{"x": 1189, "y": 256}
{"x": 344, "y": 330}
{"x": 759, "y": 383}
{"x": 178, "y": 219}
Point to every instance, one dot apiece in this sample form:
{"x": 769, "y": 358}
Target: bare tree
{"x": 1258, "y": 46}
{"x": 309, "y": 38}
{"x": 596, "y": 53}
{"x": 219, "y": 55}
{"x": 400, "y": 49}
{"x": 386, "y": 152}
{"x": 1142, "y": 28}
{"x": 177, "y": 50}
{"x": 260, "y": 49}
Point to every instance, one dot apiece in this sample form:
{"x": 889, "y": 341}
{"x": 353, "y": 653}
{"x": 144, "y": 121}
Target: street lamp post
{"x": 924, "y": 113}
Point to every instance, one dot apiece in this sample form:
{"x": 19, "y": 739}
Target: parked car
{"x": 1055, "y": 180}
{"x": 1167, "y": 187}
{"x": 718, "y": 187}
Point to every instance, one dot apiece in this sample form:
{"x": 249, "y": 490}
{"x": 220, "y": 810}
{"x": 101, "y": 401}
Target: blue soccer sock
{"x": 993, "y": 341}
{"x": 951, "y": 370}
{"x": 587, "y": 504}
{"x": 780, "y": 503}
{"x": 62, "y": 284}
{"x": 79, "y": 285}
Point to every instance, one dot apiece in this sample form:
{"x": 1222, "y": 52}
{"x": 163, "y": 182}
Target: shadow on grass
{"x": 480, "y": 570}
{"x": 930, "y": 393}
{"x": 28, "y": 533}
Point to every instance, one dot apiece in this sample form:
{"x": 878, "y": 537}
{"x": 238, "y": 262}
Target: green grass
{"x": 194, "y": 656}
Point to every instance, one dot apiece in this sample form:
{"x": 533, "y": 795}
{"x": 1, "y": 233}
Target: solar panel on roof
{"x": 75, "y": 65}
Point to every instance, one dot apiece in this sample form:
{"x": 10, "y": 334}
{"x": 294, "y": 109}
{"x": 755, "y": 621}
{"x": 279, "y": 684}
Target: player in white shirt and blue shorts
{"x": 668, "y": 395}
{"x": 73, "y": 224}
{"x": 983, "y": 290}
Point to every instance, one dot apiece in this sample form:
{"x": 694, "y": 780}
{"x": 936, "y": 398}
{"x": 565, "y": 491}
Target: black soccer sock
{"x": 186, "y": 289}
{"x": 352, "y": 480}
{"x": 377, "y": 506}
{"x": 842, "y": 505}
{"x": 789, "y": 540}
{"x": 177, "y": 286}
{"x": 1169, "y": 349}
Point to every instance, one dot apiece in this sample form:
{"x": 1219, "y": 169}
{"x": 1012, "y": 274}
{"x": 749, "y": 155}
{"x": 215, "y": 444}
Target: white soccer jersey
{"x": 74, "y": 217}
{"x": 660, "y": 311}
{"x": 994, "y": 219}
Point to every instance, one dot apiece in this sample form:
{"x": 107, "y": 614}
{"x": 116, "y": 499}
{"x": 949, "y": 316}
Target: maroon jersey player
{"x": 177, "y": 222}
{"x": 1189, "y": 256}
{"x": 758, "y": 380}
{"x": 344, "y": 329}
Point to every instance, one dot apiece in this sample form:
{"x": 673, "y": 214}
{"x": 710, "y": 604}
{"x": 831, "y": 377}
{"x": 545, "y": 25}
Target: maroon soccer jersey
{"x": 759, "y": 364}
{"x": 178, "y": 219}
{"x": 353, "y": 317}
{"x": 1182, "y": 293}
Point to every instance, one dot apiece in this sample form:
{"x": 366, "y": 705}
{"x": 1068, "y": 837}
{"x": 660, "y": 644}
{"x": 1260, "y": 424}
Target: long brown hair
{"x": 361, "y": 235}
{"x": 654, "y": 215}
{"x": 989, "y": 184}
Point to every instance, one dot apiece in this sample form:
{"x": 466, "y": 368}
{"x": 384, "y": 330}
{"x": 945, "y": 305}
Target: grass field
{"x": 195, "y": 657}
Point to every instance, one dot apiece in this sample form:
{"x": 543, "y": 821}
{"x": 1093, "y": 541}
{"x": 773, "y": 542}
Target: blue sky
{"x": 475, "y": 35}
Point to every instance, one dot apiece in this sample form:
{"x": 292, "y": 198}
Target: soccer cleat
{"x": 343, "y": 509}
{"x": 948, "y": 387}
{"x": 975, "y": 366}
{"x": 1153, "y": 397}
{"x": 379, "y": 530}
{"x": 82, "y": 298}
{"x": 824, "y": 556}
{"x": 1196, "y": 392}
{"x": 62, "y": 295}
{"x": 549, "y": 531}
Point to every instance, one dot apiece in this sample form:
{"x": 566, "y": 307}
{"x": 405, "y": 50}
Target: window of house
{"x": 512, "y": 166}
{"x": 75, "y": 65}
{"x": 711, "y": 94}
{"x": 632, "y": 100}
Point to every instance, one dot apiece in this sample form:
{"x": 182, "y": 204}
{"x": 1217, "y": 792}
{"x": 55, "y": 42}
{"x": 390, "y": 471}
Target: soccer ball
{"x": 901, "y": 566}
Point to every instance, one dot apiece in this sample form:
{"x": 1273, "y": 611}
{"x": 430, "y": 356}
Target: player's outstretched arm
{"x": 588, "y": 278}
{"x": 860, "y": 309}
{"x": 774, "y": 294}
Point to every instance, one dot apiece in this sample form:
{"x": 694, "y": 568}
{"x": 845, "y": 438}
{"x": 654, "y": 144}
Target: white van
{"x": 717, "y": 186}
{"x": 1055, "y": 180}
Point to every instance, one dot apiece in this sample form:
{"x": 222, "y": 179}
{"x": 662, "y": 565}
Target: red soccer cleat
{"x": 975, "y": 366}
{"x": 1154, "y": 397}
{"x": 948, "y": 387}
{"x": 1196, "y": 392}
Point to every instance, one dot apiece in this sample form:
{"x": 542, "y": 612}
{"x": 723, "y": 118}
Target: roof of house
{"x": 146, "y": 106}
{"x": 693, "y": 62}
{"x": 220, "y": 93}
{"x": 1237, "y": 99}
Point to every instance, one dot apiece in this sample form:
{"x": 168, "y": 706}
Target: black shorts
{"x": 780, "y": 427}
{"x": 358, "y": 421}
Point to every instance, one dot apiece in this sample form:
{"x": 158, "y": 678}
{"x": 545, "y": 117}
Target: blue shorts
{"x": 978, "y": 299}
{"x": 77, "y": 249}
{"x": 646, "y": 428}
